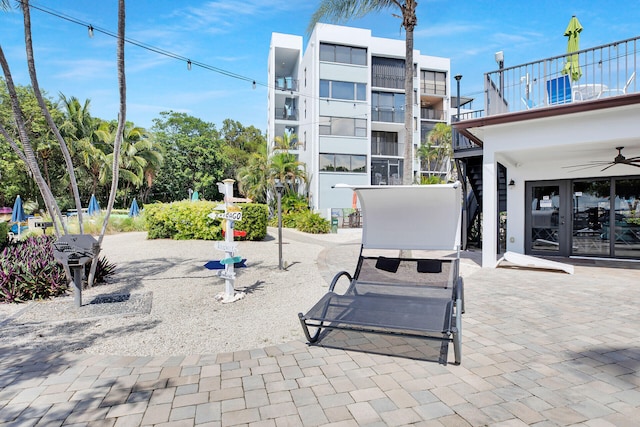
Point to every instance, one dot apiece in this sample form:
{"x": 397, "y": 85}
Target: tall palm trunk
{"x": 122, "y": 118}
{"x": 26, "y": 13}
{"x": 27, "y": 154}
{"x": 409, "y": 21}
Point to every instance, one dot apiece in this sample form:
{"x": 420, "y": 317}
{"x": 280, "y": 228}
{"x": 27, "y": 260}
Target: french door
{"x": 548, "y": 218}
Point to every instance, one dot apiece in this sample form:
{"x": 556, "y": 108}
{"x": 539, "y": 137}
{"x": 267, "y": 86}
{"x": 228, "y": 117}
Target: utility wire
{"x": 143, "y": 45}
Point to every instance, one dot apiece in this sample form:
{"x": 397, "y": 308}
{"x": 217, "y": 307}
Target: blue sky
{"x": 215, "y": 33}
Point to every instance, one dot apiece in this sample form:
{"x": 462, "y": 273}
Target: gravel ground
{"x": 161, "y": 300}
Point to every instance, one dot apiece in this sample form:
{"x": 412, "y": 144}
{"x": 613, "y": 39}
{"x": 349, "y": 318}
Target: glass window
{"x": 342, "y": 126}
{"x": 361, "y": 92}
{"x": 327, "y": 163}
{"x": 325, "y": 126}
{"x": 342, "y": 90}
{"x": 343, "y": 54}
{"x": 361, "y": 127}
{"x": 324, "y": 89}
{"x": 433, "y": 82}
{"x": 343, "y": 163}
{"x": 327, "y": 52}
{"x": 358, "y": 163}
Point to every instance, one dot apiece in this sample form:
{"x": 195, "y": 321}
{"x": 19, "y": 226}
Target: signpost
{"x": 231, "y": 260}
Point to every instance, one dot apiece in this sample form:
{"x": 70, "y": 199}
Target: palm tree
{"x": 288, "y": 170}
{"x": 253, "y": 178}
{"x": 286, "y": 142}
{"x": 436, "y": 152}
{"x": 26, "y": 13}
{"x": 343, "y": 10}
{"x": 122, "y": 117}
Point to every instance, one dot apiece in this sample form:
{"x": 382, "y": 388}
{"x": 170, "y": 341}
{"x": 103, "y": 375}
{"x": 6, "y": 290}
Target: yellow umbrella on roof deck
{"x": 572, "y": 64}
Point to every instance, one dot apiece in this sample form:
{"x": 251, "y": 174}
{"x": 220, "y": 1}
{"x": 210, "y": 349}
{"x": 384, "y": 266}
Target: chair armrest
{"x": 337, "y": 277}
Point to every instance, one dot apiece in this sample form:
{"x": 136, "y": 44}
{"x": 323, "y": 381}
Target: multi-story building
{"x": 344, "y": 98}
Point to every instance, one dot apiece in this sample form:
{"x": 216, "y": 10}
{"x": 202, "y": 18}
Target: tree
{"x": 343, "y": 10}
{"x": 140, "y": 157}
{"x": 436, "y": 152}
{"x": 194, "y": 157}
{"x": 253, "y": 178}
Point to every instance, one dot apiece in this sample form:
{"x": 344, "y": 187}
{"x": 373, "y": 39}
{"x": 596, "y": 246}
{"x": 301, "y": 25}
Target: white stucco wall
{"x": 541, "y": 149}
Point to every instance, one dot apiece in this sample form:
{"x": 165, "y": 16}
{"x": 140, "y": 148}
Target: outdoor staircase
{"x": 473, "y": 168}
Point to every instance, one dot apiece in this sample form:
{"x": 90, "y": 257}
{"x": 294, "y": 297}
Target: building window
{"x": 343, "y": 126}
{"x": 384, "y": 143}
{"x": 343, "y": 90}
{"x": 387, "y": 72}
{"x": 351, "y": 163}
{"x": 433, "y": 82}
{"x": 387, "y": 107}
{"x": 343, "y": 54}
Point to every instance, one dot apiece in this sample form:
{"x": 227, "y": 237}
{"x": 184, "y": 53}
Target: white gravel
{"x": 167, "y": 302}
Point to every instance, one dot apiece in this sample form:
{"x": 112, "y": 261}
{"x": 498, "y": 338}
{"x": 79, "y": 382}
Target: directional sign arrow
{"x": 231, "y": 260}
{"x": 217, "y": 265}
{"x": 227, "y": 246}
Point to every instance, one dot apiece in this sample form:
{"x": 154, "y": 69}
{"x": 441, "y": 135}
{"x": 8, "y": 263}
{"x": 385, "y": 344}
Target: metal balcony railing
{"x": 381, "y": 148}
{"x": 286, "y": 114}
{"x": 604, "y": 71}
{"x": 380, "y": 114}
{"x": 431, "y": 114}
{"x": 286, "y": 83}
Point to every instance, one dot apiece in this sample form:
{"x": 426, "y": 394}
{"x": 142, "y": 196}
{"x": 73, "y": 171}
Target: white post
{"x": 229, "y": 270}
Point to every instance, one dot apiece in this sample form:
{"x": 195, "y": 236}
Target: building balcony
{"x": 286, "y": 114}
{"x": 390, "y": 115}
{"x": 381, "y": 148}
{"x": 389, "y": 82}
{"x": 432, "y": 114}
{"x": 286, "y": 83}
{"x": 601, "y": 72}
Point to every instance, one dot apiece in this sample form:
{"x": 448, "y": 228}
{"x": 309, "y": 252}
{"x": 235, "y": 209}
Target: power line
{"x": 92, "y": 29}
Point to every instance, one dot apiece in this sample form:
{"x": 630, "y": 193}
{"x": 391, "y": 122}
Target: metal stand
{"x": 77, "y": 284}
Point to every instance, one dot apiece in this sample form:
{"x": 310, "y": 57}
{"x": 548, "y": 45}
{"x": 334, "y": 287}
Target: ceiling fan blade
{"x": 634, "y": 164}
{"x": 633, "y": 158}
{"x": 612, "y": 164}
{"x": 590, "y": 164}
{"x": 577, "y": 168}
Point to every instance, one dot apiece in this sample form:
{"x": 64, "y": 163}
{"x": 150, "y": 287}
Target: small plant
{"x": 28, "y": 271}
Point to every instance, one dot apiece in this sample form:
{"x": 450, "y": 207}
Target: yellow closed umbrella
{"x": 572, "y": 64}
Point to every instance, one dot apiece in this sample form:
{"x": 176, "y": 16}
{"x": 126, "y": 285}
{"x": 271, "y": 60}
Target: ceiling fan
{"x": 618, "y": 160}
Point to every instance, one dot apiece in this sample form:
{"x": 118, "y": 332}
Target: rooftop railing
{"x": 603, "y": 71}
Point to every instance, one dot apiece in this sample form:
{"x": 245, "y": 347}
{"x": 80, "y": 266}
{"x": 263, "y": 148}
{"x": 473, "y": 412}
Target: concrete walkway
{"x": 539, "y": 348}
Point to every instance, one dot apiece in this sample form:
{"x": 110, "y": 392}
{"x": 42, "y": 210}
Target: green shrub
{"x": 158, "y": 221}
{"x": 312, "y": 222}
{"x": 190, "y": 220}
{"x": 305, "y": 221}
{"x": 254, "y": 221}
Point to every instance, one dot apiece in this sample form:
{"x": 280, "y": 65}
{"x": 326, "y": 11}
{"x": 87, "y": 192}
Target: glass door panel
{"x": 590, "y": 213}
{"x": 626, "y": 218}
{"x": 547, "y": 218}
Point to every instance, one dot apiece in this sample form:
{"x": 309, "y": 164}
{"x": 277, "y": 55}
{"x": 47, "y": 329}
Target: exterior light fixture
{"x": 512, "y": 183}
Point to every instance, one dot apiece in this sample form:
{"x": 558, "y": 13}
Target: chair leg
{"x": 311, "y": 338}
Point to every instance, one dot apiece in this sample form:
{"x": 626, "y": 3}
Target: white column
{"x": 489, "y": 209}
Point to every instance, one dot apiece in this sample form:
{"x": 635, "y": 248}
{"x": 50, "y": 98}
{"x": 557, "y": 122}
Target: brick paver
{"x": 539, "y": 348}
